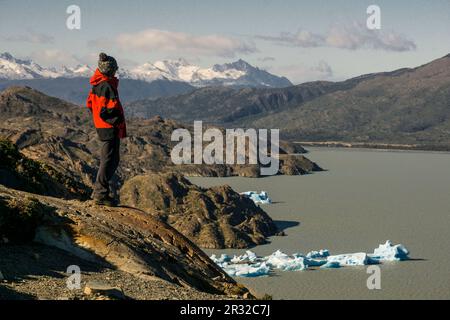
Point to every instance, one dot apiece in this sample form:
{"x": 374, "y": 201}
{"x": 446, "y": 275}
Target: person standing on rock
{"x": 109, "y": 121}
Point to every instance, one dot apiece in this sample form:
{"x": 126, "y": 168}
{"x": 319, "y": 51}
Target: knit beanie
{"x": 107, "y": 65}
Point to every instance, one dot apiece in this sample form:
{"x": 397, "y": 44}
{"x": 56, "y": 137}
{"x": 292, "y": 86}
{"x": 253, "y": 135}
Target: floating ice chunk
{"x": 318, "y": 254}
{"x": 246, "y": 270}
{"x": 314, "y": 262}
{"x": 249, "y": 256}
{"x": 251, "y": 265}
{"x": 389, "y": 252}
{"x": 351, "y": 259}
{"x": 331, "y": 265}
{"x": 223, "y": 258}
{"x": 258, "y": 198}
{"x": 281, "y": 261}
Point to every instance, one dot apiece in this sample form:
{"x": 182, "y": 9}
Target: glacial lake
{"x": 365, "y": 198}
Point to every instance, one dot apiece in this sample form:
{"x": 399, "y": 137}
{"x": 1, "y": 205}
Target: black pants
{"x": 109, "y": 161}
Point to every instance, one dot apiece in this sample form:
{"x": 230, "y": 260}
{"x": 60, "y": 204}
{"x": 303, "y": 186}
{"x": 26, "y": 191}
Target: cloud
{"x": 301, "y": 38}
{"x": 179, "y": 42}
{"x": 31, "y": 37}
{"x": 301, "y": 73}
{"x": 267, "y": 59}
{"x": 54, "y": 57}
{"x": 346, "y": 36}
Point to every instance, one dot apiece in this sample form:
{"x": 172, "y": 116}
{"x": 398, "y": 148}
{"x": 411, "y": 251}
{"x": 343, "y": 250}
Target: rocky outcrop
{"x": 20, "y": 172}
{"x": 214, "y": 218}
{"x": 123, "y": 238}
{"x": 61, "y": 135}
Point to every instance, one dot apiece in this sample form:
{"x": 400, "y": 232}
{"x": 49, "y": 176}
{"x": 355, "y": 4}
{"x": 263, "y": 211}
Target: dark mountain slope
{"x": 405, "y": 106}
{"x": 224, "y": 105}
{"x": 409, "y": 106}
{"x": 76, "y": 90}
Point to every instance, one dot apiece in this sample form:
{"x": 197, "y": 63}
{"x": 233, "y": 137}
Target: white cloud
{"x": 31, "y": 37}
{"x": 346, "y": 36}
{"x": 54, "y": 57}
{"x": 301, "y": 73}
{"x": 267, "y": 59}
{"x": 301, "y": 38}
{"x": 179, "y": 42}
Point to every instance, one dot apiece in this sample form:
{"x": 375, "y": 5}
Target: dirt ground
{"x": 40, "y": 272}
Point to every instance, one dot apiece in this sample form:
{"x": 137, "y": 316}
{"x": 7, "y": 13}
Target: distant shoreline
{"x": 375, "y": 146}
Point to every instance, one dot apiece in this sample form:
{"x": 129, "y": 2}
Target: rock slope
{"x": 214, "y": 218}
{"x": 125, "y": 239}
{"x": 61, "y": 134}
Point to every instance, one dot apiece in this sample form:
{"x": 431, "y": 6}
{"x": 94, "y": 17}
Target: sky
{"x": 302, "y": 40}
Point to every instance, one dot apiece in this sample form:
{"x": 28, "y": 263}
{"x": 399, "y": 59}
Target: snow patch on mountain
{"x": 238, "y": 73}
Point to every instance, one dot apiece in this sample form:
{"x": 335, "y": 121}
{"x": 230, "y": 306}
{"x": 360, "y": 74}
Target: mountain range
{"x": 149, "y": 80}
{"x": 406, "y": 106}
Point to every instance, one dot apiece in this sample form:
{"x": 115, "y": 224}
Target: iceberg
{"x": 258, "y": 198}
{"x": 331, "y": 265}
{"x": 222, "y": 259}
{"x": 318, "y": 254}
{"x": 389, "y": 252}
{"x": 351, "y": 259}
{"x": 281, "y": 261}
{"x": 247, "y": 257}
{"x": 314, "y": 262}
{"x": 252, "y": 265}
{"x": 246, "y": 270}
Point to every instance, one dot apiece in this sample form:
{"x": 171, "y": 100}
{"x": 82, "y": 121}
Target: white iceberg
{"x": 318, "y": 254}
{"x": 252, "y": 265}
{"x": 281, "y": 261}
{"x": 247, "y": 270}
{"x": 223, "y": 258}
{"x": 258, "y": 198}
{"x": 350, "y": 259}
{"x": 314, "y": 262}
{"x": 249, "y": 256}
{"x": 331, "y": 265}
{"x": 389, "y": 252}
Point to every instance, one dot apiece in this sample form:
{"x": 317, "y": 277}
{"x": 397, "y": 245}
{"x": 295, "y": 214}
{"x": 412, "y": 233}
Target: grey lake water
{"x": 365, "y": 198}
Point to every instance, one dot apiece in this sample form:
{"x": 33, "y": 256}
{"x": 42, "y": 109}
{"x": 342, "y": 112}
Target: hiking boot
{"x": 107, "y": 202}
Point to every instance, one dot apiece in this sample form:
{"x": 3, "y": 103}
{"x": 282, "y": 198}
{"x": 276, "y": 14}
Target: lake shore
{"x": 365, "y": 198}
{"x": 375, "y": 146}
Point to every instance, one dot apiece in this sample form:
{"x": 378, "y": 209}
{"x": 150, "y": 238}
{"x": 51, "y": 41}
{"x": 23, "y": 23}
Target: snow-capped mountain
{"x": 238, "y": 73}
{"x": 81, "y": 70}
{"x": 17, "y": 69}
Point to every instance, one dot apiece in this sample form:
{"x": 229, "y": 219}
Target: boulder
{"x": 214, "y": 218}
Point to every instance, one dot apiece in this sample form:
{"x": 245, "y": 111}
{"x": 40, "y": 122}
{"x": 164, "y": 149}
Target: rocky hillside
{"x": 124, "y": 242}
{"x": 19, "y": 172}
{"x": 62, "y": 135}
{"x": 215, "y": 218}
{"x": 75, "y": 89}
{"x": 208, "y": 104}
{"x": 128, "y": 244}
{"x": 123, "y": 239}
{"x": 406, "y": 106}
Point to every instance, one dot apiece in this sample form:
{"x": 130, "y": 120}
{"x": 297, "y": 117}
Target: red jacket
{"x": 107, "y": 111}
